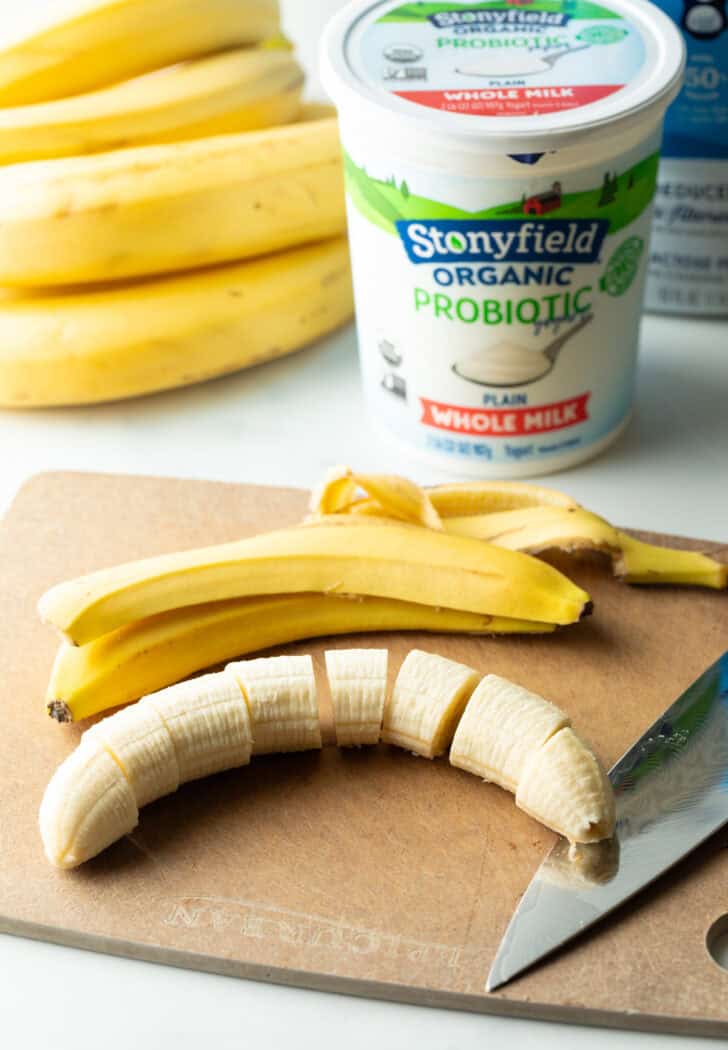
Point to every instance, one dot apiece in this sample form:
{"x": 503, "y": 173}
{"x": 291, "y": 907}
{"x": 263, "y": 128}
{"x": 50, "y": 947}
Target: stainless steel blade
{"x": 671, "y": 792}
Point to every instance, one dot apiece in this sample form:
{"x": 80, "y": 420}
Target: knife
{"x": 671, "y": 792}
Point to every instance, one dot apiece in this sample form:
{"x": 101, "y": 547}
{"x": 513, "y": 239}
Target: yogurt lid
{"x": 510, "y": 76}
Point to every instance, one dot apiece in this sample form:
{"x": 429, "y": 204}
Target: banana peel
{"x": 531, "y": 519}
{"x": 152, "y": 653}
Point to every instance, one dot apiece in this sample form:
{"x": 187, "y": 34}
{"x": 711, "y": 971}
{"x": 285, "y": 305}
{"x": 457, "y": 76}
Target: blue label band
{"x": 503, "y": 241}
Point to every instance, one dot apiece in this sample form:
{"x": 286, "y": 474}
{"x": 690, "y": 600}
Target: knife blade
{"x": 671, "y": 792}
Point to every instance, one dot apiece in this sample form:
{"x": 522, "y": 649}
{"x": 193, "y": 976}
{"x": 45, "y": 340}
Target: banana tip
{"x": 587, "y": 610}
{"x": 59, "y": 711}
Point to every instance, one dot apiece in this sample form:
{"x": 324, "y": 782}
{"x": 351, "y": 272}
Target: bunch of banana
{"x": 135, "y": 628}
{"x": 136, "y": 188}
{"x": 219, "y": 721}
{"x": 513, "y": 515}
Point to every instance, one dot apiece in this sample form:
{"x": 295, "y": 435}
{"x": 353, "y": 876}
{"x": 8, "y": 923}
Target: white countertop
{"x": 284, "y": 423}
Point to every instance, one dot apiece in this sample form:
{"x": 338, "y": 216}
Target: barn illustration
{"x": 541, "y": 203}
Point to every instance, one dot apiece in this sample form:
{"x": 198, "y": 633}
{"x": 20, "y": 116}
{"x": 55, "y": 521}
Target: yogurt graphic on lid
{"x": 499, "y": 188}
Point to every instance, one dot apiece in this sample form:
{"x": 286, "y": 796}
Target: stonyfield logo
{"x": 503, "y": 240}
{"x": 497, "y": 18}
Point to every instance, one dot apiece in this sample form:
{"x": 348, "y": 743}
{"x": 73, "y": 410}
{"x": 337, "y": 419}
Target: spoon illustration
{"x": 509, "y": 364}
{"x": 538, "y": 63}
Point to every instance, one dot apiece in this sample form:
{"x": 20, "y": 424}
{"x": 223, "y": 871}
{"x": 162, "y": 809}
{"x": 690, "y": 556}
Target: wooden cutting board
{"x": 367, "y": 872}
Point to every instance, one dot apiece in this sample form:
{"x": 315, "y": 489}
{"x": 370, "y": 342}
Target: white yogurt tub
{"x": 501, "y": 160}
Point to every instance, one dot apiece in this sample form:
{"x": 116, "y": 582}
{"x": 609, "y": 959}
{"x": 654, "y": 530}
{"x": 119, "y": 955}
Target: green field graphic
{"x": 620, "y": 199}
{"x": 416, "y": 12}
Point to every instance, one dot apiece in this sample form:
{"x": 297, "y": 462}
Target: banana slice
{"x": 138, "y": 740}
{"x": 358, "y": 683}
{"x": 503, "y": 725}
{"x": 87, "y": 805}
{"x": 428, "y": 698}
{"x": 281, "y": 696}
{"x": 208, "y": 722}
{"x": 564, "y": 787}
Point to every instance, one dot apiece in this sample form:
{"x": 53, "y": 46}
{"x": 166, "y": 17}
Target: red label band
{"x": 505, "y": 422}
{"x": 512, "y": 101}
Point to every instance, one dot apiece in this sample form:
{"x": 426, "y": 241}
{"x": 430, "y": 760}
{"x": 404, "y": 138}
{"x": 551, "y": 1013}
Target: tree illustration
{"x": 609, "y": 190}
{"x": 404, "y": 190}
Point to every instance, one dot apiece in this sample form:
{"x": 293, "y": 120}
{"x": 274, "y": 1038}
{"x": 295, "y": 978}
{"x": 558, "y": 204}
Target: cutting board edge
{"x": 492, "y": 1005}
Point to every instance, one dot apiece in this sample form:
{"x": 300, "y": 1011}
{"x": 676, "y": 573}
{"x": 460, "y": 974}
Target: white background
{"x": 284, "y": 423}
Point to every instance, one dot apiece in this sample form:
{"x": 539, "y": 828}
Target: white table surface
{"x": 284, "y": 423}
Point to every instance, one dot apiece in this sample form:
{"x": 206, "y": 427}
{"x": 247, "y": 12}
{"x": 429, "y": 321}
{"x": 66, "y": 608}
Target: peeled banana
{"x": 171, "y": 207}
{"x": 358, "y": 685}
{"x": 67, "y": 47}
{"x": 218, "y": 721}
{"x": 428, "y": 698}
{"x": 394, "y": 561}
{"x": 518, "y": 740}
{"x": 188, "y": 731}
{"x": 239, "y": 90}
{"x": 564, "y": 787}
{"x": 100, "y": 345}
{"x": 502, "y": 725}
{"x": 281, "y": 696}
{"x": 522, "y": 517}
{"x": 149, "y": 654}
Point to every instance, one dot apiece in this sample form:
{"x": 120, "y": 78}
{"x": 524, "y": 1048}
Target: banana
{"x": 503, "y": 724}
{"x": 189, "y": 731}
{"x": 149, "y": 654}
{"x": 317, "y": 111}
{"x": 397, "y": 561}
{"x": 113, "y": 343}
{"x": 139, "y": 742}
{"x": 428, "y": 698}
{"x": 399, "y": 497}
{"x": 208, "y": 723}
{"x": 358, "y": 685}
{"x": 87, "y": 805}
{"x": 216, "y": 722}
{"x": 527, "y": 518}
{"x": 171, "y": 207}
{"x": 240, "y": 90}
{"x": 70, "y": 46}
{"x": 525, "y": 744}
{"x": 280, "y": 692}
{"x": 564, "y": 787}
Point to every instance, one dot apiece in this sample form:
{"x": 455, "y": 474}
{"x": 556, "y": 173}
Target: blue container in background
{"x": 688, "y": 270}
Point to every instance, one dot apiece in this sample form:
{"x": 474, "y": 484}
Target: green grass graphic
{"x": 420, "y": 12}
{"x": 383, "y": 203}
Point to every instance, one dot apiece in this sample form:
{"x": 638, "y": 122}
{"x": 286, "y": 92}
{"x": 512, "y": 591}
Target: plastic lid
{"x": 508, "y": 76}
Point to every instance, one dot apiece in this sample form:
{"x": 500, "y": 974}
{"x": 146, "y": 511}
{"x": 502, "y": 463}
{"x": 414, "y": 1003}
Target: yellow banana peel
{"x": 152, "y": 653}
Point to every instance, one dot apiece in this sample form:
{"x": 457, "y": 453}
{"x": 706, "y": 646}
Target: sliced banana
{"x": 564, "y": 786}
{"x": 358, "y": 684}
{"x": 208, "y": 722}
{"x": 87, "y": 805}
{"x": 428, "y": 698}
{"x": 139, "y": 741}
{"x": 503, "y": 724}
{"x": 281, "y": 695}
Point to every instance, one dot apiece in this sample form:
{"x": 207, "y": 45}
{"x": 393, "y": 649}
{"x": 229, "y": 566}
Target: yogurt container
{"x": 688, "y": 266}
{"x": 501, "y": 160}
